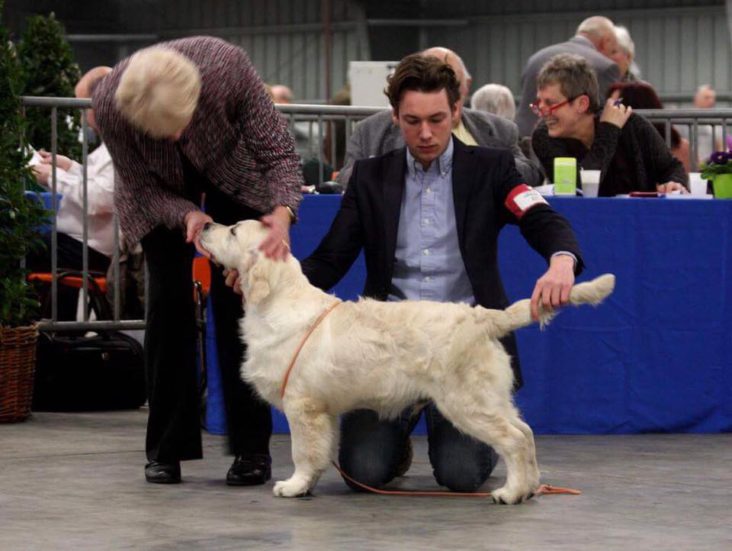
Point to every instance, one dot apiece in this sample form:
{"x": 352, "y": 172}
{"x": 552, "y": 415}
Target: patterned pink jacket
{"x": 236, "y": 139}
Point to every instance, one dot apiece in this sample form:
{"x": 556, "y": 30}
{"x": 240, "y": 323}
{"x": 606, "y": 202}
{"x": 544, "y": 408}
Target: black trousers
{"x": 68, "y": 258}
{"x": 173, "y": 429}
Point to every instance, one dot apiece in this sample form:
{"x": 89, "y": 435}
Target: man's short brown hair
{"x": 421, "y": 73}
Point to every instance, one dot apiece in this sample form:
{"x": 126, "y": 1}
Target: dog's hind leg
{"x": 533, "y": 474}
{"x": 313, "y": 432}
{"x": 498, "y": 425}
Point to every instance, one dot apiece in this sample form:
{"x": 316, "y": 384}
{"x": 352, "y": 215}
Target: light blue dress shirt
{"x": 428, "y": 263}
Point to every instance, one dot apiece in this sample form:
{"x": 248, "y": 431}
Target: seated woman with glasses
{"x": 625, "y": 147}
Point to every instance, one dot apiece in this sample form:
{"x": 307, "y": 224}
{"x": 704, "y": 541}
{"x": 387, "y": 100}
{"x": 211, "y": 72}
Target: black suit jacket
{"x": 482, "y": 179}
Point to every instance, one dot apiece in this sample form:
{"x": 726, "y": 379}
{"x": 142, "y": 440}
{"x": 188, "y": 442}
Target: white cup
{"x": 697, "y": 184}
{"x": 590, "y": 183}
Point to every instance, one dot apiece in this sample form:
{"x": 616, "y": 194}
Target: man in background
{"x": 378, "y": 134}
{"x": 595, "y": 41}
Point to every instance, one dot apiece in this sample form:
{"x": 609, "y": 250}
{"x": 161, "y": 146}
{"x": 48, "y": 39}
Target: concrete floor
{"x": 75, "y": 481}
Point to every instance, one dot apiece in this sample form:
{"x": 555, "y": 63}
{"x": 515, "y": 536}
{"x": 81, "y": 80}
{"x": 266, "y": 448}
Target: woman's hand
{"x": 277, "y": 243}
{"x": 194, "y": 221}
{"x": 615, "y": 114}
{"x": 668, "y": 187}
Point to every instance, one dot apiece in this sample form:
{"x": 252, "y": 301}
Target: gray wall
{"x": 679, "y": 43}
{"x": 676, "y": 48}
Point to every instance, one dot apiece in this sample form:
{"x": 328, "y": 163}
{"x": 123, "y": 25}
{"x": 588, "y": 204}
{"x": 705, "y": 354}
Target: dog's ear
{"x": 255, "y": 280}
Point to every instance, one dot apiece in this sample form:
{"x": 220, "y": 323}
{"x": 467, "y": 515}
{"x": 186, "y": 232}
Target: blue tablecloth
{"x": 656, "y": 357}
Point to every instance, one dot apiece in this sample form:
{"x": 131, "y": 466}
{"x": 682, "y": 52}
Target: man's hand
{"x": 194, "y": 221}
{"x": 552, "y": 289}
{"x": 615, "y": 114}
{"x": 668, "y": 187}
{"x": 277, "y": 243}
{"x": 64, "y": 163}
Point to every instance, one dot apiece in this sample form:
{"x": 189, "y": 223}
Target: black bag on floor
{"x": 100, "y": 372}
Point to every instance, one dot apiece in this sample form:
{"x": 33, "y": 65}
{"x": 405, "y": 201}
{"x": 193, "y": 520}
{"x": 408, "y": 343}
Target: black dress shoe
{"x": 250, "y": 470}
{"x": 162, "y": 473}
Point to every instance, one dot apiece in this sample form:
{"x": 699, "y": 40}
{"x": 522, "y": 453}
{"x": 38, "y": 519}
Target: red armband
{"x": 523, "y": 198}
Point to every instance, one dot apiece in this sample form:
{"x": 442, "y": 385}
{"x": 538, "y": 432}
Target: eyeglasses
{"x": 549, "y": 109}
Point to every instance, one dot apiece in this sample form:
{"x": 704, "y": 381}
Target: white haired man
{"x": 625, "y": 56}
{"x": 496, "y": 99}
{"x": 595, "y": 40}
{"x": 181, "y": 119}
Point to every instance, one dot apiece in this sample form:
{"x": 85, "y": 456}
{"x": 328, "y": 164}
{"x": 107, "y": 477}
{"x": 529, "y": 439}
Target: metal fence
{"x": 322, "y": 132}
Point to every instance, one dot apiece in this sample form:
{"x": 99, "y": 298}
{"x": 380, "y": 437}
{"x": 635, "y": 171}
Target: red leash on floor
{"x": 544, "y": 489}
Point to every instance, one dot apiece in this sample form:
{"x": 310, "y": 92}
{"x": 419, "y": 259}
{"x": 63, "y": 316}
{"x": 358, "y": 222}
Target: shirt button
{"x": 429, "y": 190}
{"x": 425, "y": 221}
{"x": 427, "y": 278}
{"x": 426, "y": 252}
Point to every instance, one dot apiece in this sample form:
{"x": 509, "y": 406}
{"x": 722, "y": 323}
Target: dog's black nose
{"x": 207, "y": 225}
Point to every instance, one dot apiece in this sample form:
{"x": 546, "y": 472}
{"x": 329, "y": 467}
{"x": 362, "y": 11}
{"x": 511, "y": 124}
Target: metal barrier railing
{"x": 321, "y": 127}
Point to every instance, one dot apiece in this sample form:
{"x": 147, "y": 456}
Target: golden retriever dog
{"x": 382, "y": 356}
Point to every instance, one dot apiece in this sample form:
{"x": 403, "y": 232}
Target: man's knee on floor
{"x": 367, "y": 471}
{"x": 466, "y": 475}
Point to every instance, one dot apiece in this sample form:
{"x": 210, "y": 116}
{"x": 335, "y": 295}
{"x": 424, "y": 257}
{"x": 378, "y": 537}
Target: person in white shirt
{"x": 70, "y": 215}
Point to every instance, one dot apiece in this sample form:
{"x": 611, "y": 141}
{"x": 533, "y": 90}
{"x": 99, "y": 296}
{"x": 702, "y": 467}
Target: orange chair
{"x": 97, "y": 288}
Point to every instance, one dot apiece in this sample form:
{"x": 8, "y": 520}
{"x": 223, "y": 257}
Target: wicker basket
{"x": 17, "y": 366}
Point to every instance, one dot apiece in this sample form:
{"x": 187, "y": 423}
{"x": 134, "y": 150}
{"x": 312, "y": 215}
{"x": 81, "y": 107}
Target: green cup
{"x": 565, "y": 176}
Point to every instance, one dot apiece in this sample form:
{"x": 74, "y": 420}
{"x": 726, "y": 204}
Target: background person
{"x": 427, "y": 217}
{"x": 641, "y": 95}
{"x": 496, "y": 99}
{"x": 624, "y": 146}
{"x": 625, "y": 56}
{"x": 181, "y": 119}
{"x": 71, "y": 214}
{"x": 595, "y": 41}
{"x": 378, "y": 134}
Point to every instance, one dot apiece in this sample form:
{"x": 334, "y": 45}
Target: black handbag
{"x": 78, "y": 372}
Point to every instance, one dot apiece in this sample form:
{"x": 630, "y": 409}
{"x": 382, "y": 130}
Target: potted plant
{"x": 718, "y": 169}
{"x": 20, "y": 219}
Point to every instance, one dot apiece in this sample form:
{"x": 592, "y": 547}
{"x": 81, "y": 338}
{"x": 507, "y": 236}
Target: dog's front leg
{"x": 313, "y": 432}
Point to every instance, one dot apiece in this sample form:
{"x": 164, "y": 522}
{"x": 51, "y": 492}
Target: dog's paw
{"x": 504, "y": 496}
{"x": 291, "y": 487}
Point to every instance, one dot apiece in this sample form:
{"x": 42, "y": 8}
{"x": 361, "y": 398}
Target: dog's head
{"x": 237, "y": 247}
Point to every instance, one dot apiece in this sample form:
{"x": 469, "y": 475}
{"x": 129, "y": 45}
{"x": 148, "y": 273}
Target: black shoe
{"x": 250, "y": 470}
{"x": 162, "y": 473}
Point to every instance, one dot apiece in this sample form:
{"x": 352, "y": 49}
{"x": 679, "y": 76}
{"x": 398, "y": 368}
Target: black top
{"x": 632, "y": 158}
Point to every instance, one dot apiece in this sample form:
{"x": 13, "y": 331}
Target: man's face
{"x": 426, "y": 122}
{"x": 622, "y": 60}
{"x": 608, "y": 46}
{"x": 705, "y": 98}
{"x": 561, "y": 120}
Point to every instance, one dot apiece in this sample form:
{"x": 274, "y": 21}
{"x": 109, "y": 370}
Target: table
{"x": 655, "y": 357}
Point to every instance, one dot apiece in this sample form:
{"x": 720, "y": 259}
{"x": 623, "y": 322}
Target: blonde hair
{"x": 159, "y": 91}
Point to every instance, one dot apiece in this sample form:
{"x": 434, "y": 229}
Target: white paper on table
{"x": 546, "y": 190}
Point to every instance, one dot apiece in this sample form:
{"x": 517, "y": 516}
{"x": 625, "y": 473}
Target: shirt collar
{"x": 444, "y": 161}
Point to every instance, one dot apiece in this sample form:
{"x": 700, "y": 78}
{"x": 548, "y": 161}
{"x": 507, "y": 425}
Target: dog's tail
{"x": 519, "y": 313}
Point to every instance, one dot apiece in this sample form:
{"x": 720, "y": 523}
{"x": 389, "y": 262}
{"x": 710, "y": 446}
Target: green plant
{"x": 48, "y": 69}
{"x": 720, "y": 162}
{"x": 20, "y": 217}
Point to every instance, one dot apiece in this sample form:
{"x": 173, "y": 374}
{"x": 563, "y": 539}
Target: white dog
{"x": 382, "y": 356}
